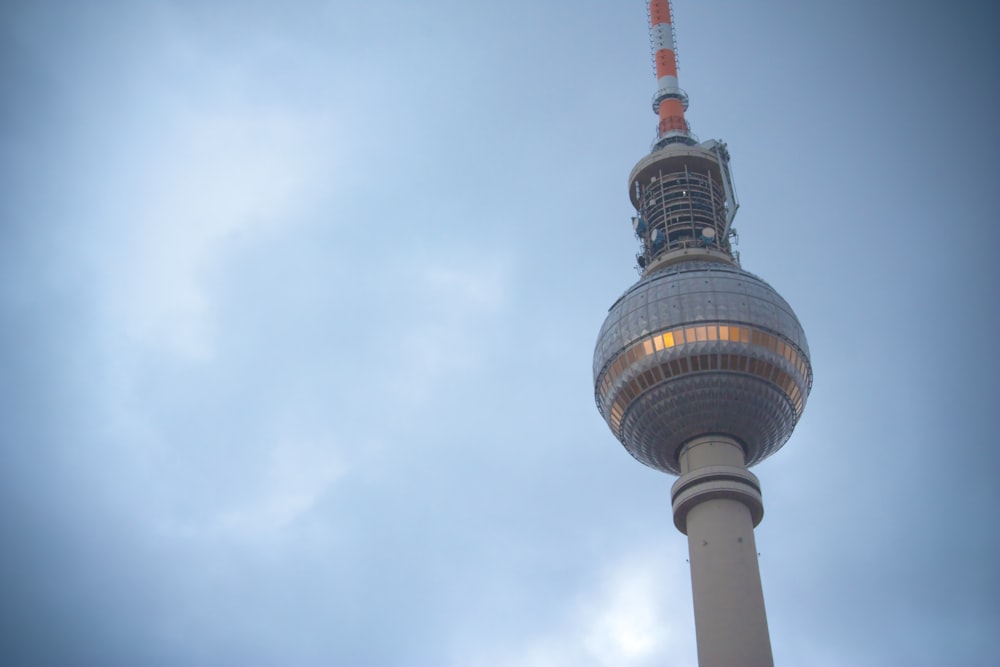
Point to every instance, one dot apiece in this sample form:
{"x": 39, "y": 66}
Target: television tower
{"x": 701, "y": 369}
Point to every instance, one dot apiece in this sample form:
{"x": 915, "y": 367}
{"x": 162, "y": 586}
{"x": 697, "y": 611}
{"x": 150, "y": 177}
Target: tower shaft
{"x": 717, "y": 503}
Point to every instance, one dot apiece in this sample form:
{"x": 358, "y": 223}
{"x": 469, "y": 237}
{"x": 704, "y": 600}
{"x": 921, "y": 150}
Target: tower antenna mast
{"x": 670, "y": 102}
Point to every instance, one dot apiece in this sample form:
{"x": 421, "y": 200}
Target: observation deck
{"x": 685, "y": 203}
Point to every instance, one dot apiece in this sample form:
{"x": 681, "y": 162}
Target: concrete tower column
{"x": 717, "y": 503}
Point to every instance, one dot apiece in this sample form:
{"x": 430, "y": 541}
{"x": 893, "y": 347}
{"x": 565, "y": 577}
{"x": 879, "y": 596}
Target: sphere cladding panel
{"x": 756, "y": 399}
{"x": 691, "y": 292}
{"x": 706, "y": 403}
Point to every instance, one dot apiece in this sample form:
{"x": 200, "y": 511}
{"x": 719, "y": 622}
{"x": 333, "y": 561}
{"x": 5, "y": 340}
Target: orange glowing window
{"x": 668, "y": 340}
{"x": 723, "y": 333}
{"x": 700, "y": 334}
{"x": 657, "y": 343}
{"x": 713, "y": 332}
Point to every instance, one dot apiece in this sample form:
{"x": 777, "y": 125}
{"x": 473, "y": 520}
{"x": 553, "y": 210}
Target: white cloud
{"x": 294, "y": 477}
{"x": 625, "y": 621}
{"x": 298, "y": 476}
{"x": 456, "y": 302}
{"x": 481, "y": 286}
{"x": 214, "y": 173}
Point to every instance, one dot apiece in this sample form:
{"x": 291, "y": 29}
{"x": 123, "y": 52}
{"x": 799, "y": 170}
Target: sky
{"x": 298, "y": 304}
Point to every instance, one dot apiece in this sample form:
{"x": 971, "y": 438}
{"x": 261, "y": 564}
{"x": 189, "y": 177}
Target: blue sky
{"x": 298, "y": 305}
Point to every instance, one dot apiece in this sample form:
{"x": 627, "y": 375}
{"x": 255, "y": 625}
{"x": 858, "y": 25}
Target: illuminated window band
{"x": 717, "y": 361}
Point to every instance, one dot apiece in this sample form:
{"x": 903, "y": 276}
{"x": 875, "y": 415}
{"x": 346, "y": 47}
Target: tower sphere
{"x": 696, "y": 348}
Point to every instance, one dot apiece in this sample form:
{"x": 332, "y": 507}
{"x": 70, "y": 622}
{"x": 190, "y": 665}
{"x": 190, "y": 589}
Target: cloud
{"x": 297, "y": 476}
{"x": 453, "y": 302}
{"x": 624, "y": 620}
{"x": 211, "y": 174}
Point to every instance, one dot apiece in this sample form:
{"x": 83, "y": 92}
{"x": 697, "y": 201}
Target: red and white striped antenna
{"x": 670, "y": 102}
